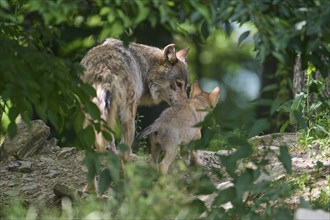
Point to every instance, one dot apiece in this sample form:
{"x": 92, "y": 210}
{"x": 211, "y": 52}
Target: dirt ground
{"x": 34, "y": 178}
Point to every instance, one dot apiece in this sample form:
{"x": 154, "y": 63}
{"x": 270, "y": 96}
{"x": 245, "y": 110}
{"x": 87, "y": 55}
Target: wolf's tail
{"x": 145, "y": 132}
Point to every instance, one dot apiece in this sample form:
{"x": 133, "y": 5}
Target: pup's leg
{"x": 169, "y": 157}
{"x": 194, "y": 158}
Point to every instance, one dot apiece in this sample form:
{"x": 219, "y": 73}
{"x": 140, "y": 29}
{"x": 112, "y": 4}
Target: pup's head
{"x": 168, "y": 78}
{"x": 206, "y": 100}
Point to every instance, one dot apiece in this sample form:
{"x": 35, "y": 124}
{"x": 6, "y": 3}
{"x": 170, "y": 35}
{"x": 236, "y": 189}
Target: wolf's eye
{"x": 179, "y": 84}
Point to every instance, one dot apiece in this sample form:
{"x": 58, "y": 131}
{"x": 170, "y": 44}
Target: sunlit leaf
{"x": 94, "y": 20}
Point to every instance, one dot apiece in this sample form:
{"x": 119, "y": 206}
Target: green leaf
{"x": 243, "y": 37}
{"x": 114, "y": 166}
{"x": 123, "y": 147}
{"x": 197, "y": 207}
{"x": 92, "y": 162}
{"x": 107, "y": 135}
{"x": 319, "y": 164}
{"x": 104, "y": 181}
{"x": 88, "y": 137}
{"x": 202, "y": 9}
{"x": 54, "y": 119}
{"x": 316, "y": 105}
{"x": 78, "y": 121}
{"x": 12, "y": 129}
{"x": 143, "y": 12}
{"x": 297, "y": 117}
{"x": 228, "y": 28}
{"x": 304, "y": 204}
{"x": 13, "y": 113}
{"x": 285, "y": 158}
{"x": 262, "y": 102}
{"x": 283, "y": 213}
{"x": 225, "y": 196}
{"x": 284, "y": 126}
{"x": 92, "y": 110}
{"x": 4, "y": 4}
{"x": 205, "y": 30}
{"x": 94, "y": 21}
{"x": 243, "y": 183}
{"x": 270, "y": 87}
{"x": 276, "y": 104}
{"x": 205, "y": 186}
{"x": 259, "y": 126}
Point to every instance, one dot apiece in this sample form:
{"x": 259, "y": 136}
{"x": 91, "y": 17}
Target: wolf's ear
{"x": 183, "y": 54}
{"x": 213, "y": 96}
{"x": 169, "y": 53}
{"x": 195, "y": 90}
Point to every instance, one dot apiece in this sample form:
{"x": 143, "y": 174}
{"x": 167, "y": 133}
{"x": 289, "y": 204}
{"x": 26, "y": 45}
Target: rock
{"x": 30, "y": 189}
{"x": 14, "y": 165}
{"x": 53, "y": 174}
{"x": 52, "y": 143}
{"x": 308, "y": 214}
{"x": 56, "y": 148}
{"x": 28, "y": 140}
{"x": 12, "y": 193}
{"x": 21, "y": 166}
{"x": 65, "y": 191}
{"x": 12, "y": 184}
{"x": 66, "y": 152}
{"x": 47, "y": 160}
{"x": 27, "y": 178}
{"x": 275, "y": 139}
{"x": 26, "y": 167}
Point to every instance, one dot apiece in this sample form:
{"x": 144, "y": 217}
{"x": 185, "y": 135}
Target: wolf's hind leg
{"x": 155, "y": 151}
{"x": 127, "y": 120}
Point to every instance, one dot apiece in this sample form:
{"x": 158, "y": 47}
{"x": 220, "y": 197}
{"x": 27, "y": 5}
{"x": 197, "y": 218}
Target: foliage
{"x": 43, "y": 42}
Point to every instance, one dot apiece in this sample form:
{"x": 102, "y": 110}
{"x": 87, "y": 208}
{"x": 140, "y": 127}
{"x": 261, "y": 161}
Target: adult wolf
{"x": 125, "y": 76}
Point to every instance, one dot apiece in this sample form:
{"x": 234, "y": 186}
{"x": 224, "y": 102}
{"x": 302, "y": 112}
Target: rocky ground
{"x": 46, "y": 172}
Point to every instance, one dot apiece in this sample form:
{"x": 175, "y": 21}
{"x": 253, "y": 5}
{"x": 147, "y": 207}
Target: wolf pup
{"x": 175, "y": 126}
{"x": 125, "y": 76}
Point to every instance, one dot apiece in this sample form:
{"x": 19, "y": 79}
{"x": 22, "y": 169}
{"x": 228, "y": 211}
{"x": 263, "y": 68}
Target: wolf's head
{"x": 204, "y": 100}
{"x": 168, "y": 78}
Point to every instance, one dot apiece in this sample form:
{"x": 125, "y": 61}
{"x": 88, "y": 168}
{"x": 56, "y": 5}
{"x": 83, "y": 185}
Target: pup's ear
{"x": 169, "y": 53}
{"x": 195, "y": 90}
{"x": 213, "y": 96}
{"x": 183, "y": 54}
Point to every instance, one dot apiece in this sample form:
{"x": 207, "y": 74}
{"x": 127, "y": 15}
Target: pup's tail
{"x": 145, "y": 132}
